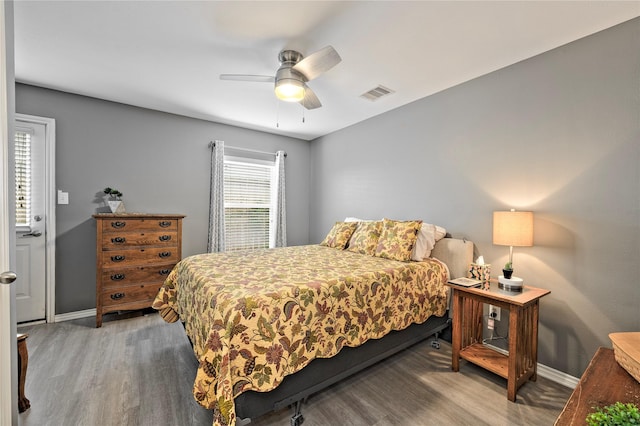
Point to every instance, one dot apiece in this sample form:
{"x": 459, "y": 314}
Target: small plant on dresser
{"x": 114, "y": 200}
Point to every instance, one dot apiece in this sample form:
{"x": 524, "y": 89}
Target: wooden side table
{"x": 603, "y": 383}
{"x": 521, "y": 363}
{"x": 23, "y": 361}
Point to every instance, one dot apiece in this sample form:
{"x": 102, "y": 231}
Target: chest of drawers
{"x": 134, "y": 255}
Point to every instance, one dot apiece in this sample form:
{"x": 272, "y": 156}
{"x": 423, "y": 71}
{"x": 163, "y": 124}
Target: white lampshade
{"x": 513, "y": 228}
{"x": 290, "y": 90}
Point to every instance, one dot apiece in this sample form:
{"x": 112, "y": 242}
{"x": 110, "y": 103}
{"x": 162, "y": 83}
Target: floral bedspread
{"x": 255, "y": 317}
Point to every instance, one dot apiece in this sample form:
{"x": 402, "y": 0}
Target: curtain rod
{"x": 213, "y": 143}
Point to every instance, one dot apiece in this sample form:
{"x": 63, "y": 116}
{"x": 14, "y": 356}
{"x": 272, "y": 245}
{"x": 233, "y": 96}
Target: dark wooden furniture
{"x": 134, "y": 255}
{"x": 521, "y": 363}
{"x": 603, "y": 383}
{"x": 23, "y": 362}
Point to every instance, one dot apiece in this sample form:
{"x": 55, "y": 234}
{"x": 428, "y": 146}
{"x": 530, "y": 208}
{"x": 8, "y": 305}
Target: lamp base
{"x": 513, "y": 284}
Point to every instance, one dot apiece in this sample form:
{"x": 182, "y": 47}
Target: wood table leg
{"x": 514, "y": 355}
{"x": 456, "y": 333}
{"x": 23, "y": 362}
{"x": 534, "y": 341}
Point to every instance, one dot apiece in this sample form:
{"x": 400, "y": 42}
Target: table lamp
{"x": 512, "y": 228}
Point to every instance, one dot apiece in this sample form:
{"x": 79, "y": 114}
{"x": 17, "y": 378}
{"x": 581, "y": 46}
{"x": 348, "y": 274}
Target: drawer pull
{"x": 164, "y": 271}
{"x": 118, "y": 240}
{"x": 164, "y": 223}
{"x": 164, "y": 237}
{"x": 117, "y": 277}
{"x": 116, "y": 296}
{"x": 117, "y": 258}
{"x": 164, "y": 254}
{"x": 118, "y": 224}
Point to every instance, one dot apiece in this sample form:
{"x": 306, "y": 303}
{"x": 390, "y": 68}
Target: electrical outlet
{"x": 494, "y": 312}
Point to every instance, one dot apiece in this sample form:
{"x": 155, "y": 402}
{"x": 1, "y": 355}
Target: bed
{"x": 270, "y": 327}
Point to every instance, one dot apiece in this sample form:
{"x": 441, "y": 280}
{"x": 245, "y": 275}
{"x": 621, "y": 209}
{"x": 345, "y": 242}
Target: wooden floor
{"x": 140, "y": 371}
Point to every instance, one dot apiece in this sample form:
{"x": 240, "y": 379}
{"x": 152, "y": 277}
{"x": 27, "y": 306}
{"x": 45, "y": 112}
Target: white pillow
{"x": 353, "y": 219}
{"x": 427, "y": 237}
{"x": 424, "y": 243}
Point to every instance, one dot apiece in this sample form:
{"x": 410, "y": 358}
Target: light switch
{"x": 63, "y": 197}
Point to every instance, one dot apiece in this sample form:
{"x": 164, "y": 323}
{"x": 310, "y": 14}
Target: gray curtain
{"x": 281, "y": 212}
{"x": 216, "y": 198}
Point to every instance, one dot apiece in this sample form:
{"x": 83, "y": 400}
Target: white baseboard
{"x": 75, "y": 315}
{"x": 552, "y": 374}
{"x": 30, "y": 323}
{"x": 558, "y": 376}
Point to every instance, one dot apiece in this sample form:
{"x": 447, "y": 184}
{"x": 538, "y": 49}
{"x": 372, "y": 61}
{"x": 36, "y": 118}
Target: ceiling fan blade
{"x": 318, "y": 62}
{"x": 248, "y": 77}
{"x": 310, "y": 100}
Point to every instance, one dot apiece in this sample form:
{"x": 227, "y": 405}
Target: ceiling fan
{"x": 294, "y": 73}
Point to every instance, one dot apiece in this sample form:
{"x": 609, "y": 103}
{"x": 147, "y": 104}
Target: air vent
{"x": 376, "y": 93}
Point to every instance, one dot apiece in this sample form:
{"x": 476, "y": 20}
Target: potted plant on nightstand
{"x": 114, "y": 200}
{"x": 507, "y": 271}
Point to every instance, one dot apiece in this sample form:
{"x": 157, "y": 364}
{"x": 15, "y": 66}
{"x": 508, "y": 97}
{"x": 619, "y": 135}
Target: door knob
{"x": 32, "y": 234}
{"x": 7, "y": 277}
{"x": 37, "y": 218}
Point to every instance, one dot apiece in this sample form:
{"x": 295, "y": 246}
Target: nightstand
{"x": 520, "y": 364}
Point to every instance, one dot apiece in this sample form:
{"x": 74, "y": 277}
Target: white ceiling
{"x": 168, "y": 55}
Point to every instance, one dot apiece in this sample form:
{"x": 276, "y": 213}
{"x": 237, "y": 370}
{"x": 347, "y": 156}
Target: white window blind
{"x": 23, "y": 178}
{"x": 248, "y": 204}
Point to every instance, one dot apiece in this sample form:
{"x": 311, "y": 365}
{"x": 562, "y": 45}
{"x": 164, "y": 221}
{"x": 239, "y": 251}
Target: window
{"x": 249, "y": 203}
{"x": 23, "y": 178}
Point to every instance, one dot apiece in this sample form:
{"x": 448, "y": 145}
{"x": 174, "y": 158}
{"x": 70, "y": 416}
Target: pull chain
{"x": 278, "y": 114}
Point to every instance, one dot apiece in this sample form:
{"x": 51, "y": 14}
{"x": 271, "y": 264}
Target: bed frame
{"x": 324, "y": 372}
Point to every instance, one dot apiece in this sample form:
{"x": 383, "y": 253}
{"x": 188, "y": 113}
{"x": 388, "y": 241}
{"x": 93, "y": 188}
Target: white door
{"x": 30, "y": 143}
{"x": 8, "y": 379}
{"x": 8, "y": 356}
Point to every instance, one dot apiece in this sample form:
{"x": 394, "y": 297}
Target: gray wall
{"x": 558, "y": 134}
{"x": 159, "y": 161}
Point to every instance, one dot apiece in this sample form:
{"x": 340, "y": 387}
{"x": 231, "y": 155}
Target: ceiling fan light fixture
{"x": 289, "y": 90}
{"x": 294, "y": 73}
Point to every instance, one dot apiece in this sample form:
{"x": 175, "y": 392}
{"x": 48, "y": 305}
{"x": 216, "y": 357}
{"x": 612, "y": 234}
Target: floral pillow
{"x": 339, "y": 235}
{"x": 365, "y": 238}
{"x": 397, "y": 239}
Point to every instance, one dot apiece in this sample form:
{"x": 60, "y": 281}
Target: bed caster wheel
{"x": 297, "y": 420}
{"x": 435, "y": 344}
